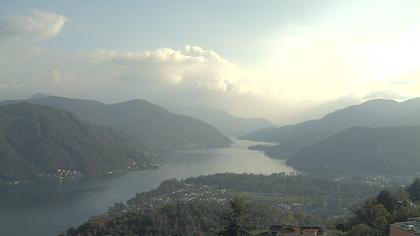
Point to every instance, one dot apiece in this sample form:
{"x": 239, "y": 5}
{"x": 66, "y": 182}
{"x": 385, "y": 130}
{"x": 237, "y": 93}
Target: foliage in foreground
{"x": 179, "y": 215}
{"x": 186, "y": 219}
{"x": 376, "y": 214}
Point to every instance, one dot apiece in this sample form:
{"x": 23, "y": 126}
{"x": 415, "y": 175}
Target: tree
{"x": 405, "y": 212}
{"x": 385, "y": 198}
{"x": 236, "y": 219}
{"x": 373, "y": 215}
{"x": 414, "y": 190}
{"x": 363, "y": 230}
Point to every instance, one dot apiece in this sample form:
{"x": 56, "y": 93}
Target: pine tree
{"x": 236, "y": 218}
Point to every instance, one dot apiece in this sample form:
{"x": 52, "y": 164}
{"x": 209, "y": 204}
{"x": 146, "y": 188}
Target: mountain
{"x": 38, "y": 140}
{"x": 293, "y": 138}
{"x": 411, "y": 118}
{"x": 39, "y": 95}
{"x": 385, "y": 150}
{"x": 150, "y": 124}
{"x": 155, "y": 125}
{"x": 92, "y": 112}
{"x": 228, "y": 124}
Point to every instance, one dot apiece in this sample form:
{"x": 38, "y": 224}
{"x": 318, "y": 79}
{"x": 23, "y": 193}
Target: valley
{"x": 210, "y": 118}
{"x": 47, "y": 209}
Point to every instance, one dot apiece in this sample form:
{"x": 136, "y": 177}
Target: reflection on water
{"x": 45, "y": 209}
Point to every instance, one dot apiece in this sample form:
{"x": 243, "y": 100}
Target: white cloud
{"x": 194, "y": 67}
{"x": 385, "y": 94}
{"x": 23, "y": 61}
{"x": 38, "y": 26}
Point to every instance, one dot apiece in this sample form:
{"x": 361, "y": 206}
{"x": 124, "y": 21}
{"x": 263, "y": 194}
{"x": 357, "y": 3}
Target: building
{"x": 411, "y": 227}
{"x": 296, "y": 230}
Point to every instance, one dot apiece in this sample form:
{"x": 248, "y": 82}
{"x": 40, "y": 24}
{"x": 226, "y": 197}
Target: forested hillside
{"x": 391, "y": 150}
{"x": 374, "y": 113}
{"x": 148, "y": 123}
{"x": 38, "y": 141}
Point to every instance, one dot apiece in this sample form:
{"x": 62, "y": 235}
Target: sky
{"x": 286, "y": 60}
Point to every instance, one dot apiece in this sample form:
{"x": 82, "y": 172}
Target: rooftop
{"x": 412, "y": 224}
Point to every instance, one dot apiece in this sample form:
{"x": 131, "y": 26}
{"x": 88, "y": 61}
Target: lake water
{"x": 47, "y": 210}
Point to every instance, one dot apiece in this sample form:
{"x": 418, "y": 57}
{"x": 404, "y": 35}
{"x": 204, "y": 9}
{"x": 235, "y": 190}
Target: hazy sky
{"x": 284, "y": 60}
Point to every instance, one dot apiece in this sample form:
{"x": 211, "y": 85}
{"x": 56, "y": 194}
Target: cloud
{"x": 194, "y": 67}
{"x": 189, "y": 76}
{"x": 196, "y": 75}
{"x": 307, "y": 68}
{"x": 23, "y": 61}
{"x": 38, "y": 26}
{"x": 385, "y": 94}
{"x": 400, "y": 82}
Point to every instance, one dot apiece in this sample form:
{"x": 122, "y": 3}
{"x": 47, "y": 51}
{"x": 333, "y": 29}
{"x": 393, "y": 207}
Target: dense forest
{"x": 292, "y": 139}
{"x": 364, "y": 150}
{"x": 184, "y": 219}
{"x": 41, "y": 142}
{"x": 375, "y": 215}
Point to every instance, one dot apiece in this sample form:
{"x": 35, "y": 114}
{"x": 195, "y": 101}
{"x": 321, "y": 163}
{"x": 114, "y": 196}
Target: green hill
{"x": 390, "y": 150}
{"x": 374, "y": 113}
{"x": 38, "y": 140}
{"x": 144, "y": 121}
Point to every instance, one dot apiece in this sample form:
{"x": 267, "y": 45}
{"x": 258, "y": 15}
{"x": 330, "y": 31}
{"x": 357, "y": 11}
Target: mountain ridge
{"x": 149, "y": 123}
{"x": 383, "y": 150}
{"x": 227, "y": 123}
{"x": 372, "y": 113}
{"x": 38, "y": 140}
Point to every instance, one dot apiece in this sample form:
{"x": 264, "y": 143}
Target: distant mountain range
{"x": 38, "y": 141}
{"x": 150, "y": 124}
{"x": 411, "y": 118}
{"x": 45, "y": 134}
{"x": 373, "y": 113}
{"x": 228, "y": 124}
{"x": 390, "y": 150}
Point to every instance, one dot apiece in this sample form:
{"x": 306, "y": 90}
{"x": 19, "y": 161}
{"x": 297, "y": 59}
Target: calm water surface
{"x": 47, "y": 210}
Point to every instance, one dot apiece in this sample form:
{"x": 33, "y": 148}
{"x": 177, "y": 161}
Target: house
{"x": 411, "y": 227}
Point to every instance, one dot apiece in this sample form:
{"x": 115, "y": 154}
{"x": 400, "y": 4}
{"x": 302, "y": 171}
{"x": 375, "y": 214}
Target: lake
{"x": 49, "y": 209}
